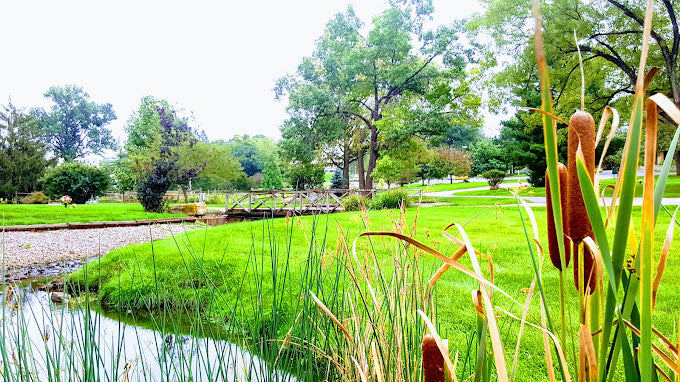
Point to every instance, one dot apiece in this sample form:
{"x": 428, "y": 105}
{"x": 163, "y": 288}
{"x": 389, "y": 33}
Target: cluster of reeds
{"x": 615, "y": 271}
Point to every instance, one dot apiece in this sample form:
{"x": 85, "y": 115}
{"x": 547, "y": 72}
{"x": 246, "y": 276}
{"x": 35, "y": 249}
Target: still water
{"x": 49, "y": 341}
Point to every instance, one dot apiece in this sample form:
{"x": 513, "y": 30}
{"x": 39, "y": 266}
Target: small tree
{"x": 457, "y": 162}
{"x": 271, "y": 176}
{"x": 154, "y": 183}
{"x": 305, "y": 176}
{"x": 486, "y": 155}
{"x": 79, "y": 181}
{"x": 336, "y": 181}
{"x": 494, "y": 178}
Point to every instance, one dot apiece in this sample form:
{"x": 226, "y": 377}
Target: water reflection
{"x": 47, "y": 341}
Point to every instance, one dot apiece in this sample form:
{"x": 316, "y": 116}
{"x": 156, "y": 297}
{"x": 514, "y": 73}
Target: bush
{"x": 353, "y": 202}
{"x": 215, "y": 199}
{"x": 153, "y": 185}
{"x": 391, "y": 199}
{"x": 79, "y": 181}
{"x": 35, "y": 197}
{"x": 494, "y": 177}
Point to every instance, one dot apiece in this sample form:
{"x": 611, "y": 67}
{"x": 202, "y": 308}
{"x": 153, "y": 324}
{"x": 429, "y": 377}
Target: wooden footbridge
{"x": 282, "y": 203}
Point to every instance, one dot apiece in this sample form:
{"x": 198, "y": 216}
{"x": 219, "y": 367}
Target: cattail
{"x": 433, "y": 361}
{"x": 553, "y": 248}
{"x": 581, "y": 130}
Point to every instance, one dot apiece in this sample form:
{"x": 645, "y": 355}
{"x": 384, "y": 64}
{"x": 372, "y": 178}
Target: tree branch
{"x": 566, "y": 80}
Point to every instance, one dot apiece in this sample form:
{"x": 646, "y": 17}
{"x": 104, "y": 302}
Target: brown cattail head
{"x": 581, "y": 131}
{"x": 553, "y": 248}
{"x": 433, "y": 361}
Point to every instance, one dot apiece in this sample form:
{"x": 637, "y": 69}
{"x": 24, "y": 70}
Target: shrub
{"x": 79, "y": 181}
{"x": 215, "y": 199}
{"x": 494, "y": 177}
{"x": 35, "y": 197}
{"x": 353, "y": 202}
{"x": 391, "y": 199}
{"x": 153, "y": 185}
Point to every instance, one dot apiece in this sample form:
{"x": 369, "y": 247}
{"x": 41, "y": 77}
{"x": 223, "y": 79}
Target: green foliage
{"x": 353, "y": 202}
{"x": 494, "y": 178}
{"x": 74, "y": 126}
{"x": 35, "y": 197}
{"x": 272, "y": 178}
{"x": 396, "y": 62}
{"x": 154, "y": 183}
{"x": 486, "y": 155}
{"x": 390, "y": 199}
{"x": 336, "y": 180}
{"x": 79, "y": 181}
{"x": 305, "y": 176}
{"x": 22, "y": 154}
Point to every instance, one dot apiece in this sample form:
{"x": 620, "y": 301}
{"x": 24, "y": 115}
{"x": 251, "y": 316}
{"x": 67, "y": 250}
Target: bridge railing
{"x": 305, "y": 201}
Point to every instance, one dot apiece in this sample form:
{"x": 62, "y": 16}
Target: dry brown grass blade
{"x": 377, "y": 364}
{"x": 551, "y": 115}
{"x": 330, "y": 315}
{"x": 286, "y": 339}
{"x": 606, "y": 113}
{"x": 595, "y": 250}
{"x": 612, "y": 133}
{"x": 525, "y": 312}
{"x": 666, "y": 359}
{"x": 360, "y": 371}
{"x": 445, "y": 267}
{"x": 663, "y": 257}
{"x": 560, "y": 352}
{"x": 650, "y": 76}
{"x": 662, "y": 373}
{"x": 450, "y": 368}
{"x": 546, "y": 345}
{"x": 444, "y": 259}
{"x": 587, "y": 351}
{"x": 494, "y": 332}
{"x": 667, "y": 106}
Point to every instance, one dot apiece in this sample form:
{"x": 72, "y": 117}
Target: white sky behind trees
{"x": 216, "y": 60}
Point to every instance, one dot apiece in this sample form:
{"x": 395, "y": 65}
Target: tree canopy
{"x": 75, "y": 126}
{"x": 357, "y": 85}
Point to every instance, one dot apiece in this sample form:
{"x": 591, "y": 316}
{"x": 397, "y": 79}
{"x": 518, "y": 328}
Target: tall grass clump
{"x": 616, "y": 268}
{"x": 390, "y": 199}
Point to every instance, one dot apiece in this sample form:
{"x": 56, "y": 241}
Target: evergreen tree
{"x": 22, "y": 154}
{"x": 336, "y": 180}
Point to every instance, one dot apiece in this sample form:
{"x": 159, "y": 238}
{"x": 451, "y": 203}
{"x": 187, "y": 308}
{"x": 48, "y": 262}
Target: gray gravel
{"x": 22, "y": 249}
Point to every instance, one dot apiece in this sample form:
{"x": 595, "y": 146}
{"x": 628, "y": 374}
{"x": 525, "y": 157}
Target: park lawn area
{"x": 672, "y": 186}
{"x": 529, "y": 191}
{"x": 226, "y": 272}
{"x": 466, "y": 201}
{"x": 27, "y": 214}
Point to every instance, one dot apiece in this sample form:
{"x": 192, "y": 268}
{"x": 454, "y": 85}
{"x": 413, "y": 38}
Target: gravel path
{"x": 24, "y": 249}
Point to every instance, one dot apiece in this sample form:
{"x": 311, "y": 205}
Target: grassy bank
{"x": 255, "y": 277}
{"x": 25, "y": 214}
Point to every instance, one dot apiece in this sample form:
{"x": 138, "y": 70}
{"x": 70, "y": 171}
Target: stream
{"x": 44, "y": 338}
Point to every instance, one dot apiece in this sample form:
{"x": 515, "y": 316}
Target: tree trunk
{"x": 372, "y": 155}
{"x": 345, "y": 165}
{"x": 360, "y": 168}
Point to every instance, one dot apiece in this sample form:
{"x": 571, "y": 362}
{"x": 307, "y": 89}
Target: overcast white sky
{"x": 216, "y": 59}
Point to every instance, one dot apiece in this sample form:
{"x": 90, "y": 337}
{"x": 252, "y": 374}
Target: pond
{"x": 48, "y": 340}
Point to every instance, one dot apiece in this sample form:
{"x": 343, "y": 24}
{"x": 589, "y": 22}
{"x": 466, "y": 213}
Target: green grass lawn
{"x": 229, "y": 272}
{"x": 26, "y": 214}
{"x": 529, "y": 191}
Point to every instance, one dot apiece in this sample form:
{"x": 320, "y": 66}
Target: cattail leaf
{"x": 593, "y": 208}
{"x": 612, "y": 133}
{"x": 547, "y": 114}
{"x": 525, "y": 312}
{"x": 663, "y": 257}
{"x": 668, "y": 360}
{"x": 330, "y": 315}
{"x": 455, "y": 257}
{"x": 587, "y": 351}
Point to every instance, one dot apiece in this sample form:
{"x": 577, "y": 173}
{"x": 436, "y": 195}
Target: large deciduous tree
{"x": 23, "y": 157}
{"x": 608, "y": 35}
{"x": 75, "y": 126}
{"x": 340, "y": 94}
